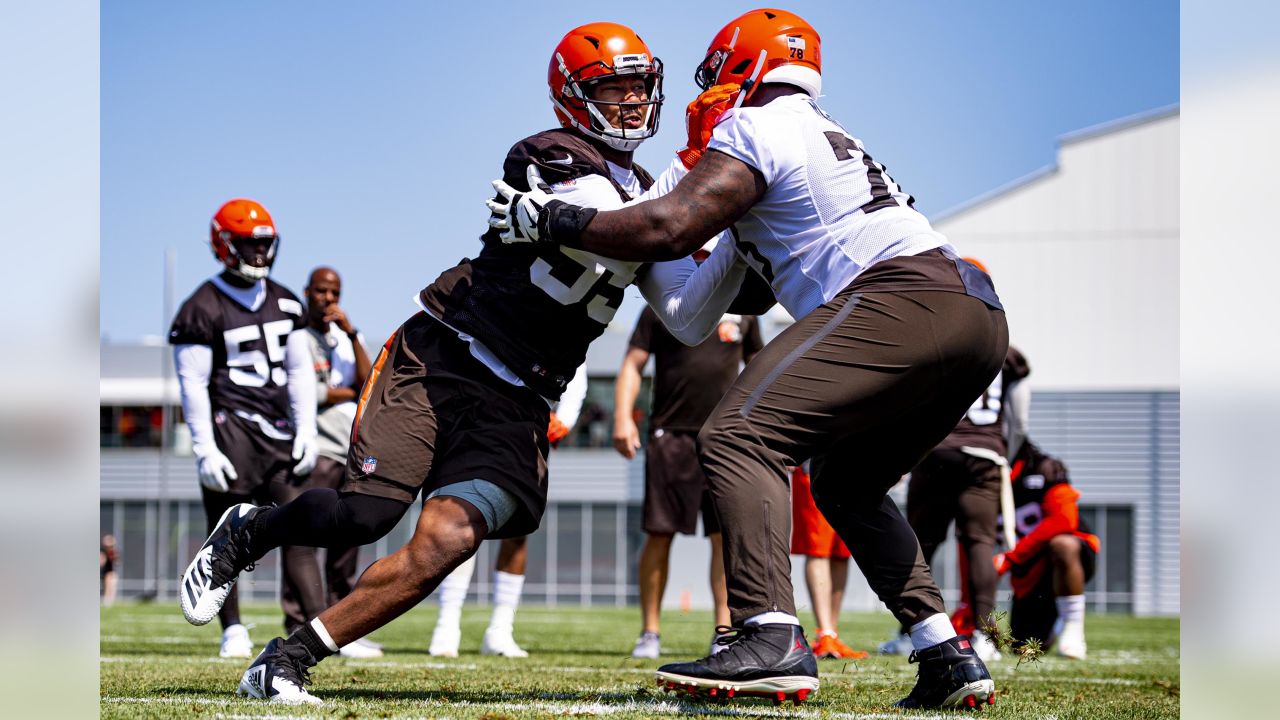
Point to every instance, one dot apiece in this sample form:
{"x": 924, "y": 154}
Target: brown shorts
{"x": 259, "y": 460}
{"x": 675, "y": 490}
{"x": 432, "y": 415}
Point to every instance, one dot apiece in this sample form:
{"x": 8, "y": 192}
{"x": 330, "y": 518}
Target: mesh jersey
{"x": 536, "y": 307}
{"x": 1034, "y": 474}
{"x": 830, "y": 211}
{"x": 248, "y": 347}
{"x": 983, "y": 423}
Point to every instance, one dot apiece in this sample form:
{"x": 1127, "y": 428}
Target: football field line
{"x": 566, "y": 708}
{"x": 881, "y": 677}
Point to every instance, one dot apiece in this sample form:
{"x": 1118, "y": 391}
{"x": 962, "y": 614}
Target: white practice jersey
{"x": 830, "y": 210}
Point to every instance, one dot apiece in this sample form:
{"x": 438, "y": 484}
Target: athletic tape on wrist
{"x": 563, "y": 223}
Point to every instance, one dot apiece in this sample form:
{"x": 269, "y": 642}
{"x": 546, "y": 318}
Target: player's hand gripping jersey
{"x": 536, "y": 308}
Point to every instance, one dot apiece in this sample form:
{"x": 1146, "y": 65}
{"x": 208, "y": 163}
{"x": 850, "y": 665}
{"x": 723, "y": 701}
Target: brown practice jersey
{"x": 248, "y": 347}
{"x": 982, "y": 425}
{"x": 690, "y": 381}
{"x": 537, "y": 307}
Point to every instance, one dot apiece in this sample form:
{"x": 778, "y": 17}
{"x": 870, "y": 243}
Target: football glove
{"x": 306, "y": 452}
{"x": 1002, "y": 563}
{"x": 517, "y": 219}
{"x": 215, "y": 470}
{"x": 700, "y": 120}
{"x": 556, "y": 430}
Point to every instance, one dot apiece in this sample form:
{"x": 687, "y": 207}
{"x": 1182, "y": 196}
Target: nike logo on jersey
{"x": 568, "y": 160}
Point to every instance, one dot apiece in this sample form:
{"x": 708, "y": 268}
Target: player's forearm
{"x": 717, "y": 192}
{"x": 363, "y": 365}
{"x": 300, "y": 382}
{"x": 654, "y": 230}
{"x": 689, "y": 298}
{"x": 333, "y": 395}
{"x": 625, "y": 392}
{"x": 194, "y": 365}
{"x": 570, "y": 405}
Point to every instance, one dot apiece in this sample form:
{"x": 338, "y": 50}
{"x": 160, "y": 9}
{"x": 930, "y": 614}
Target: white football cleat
{"x": 648, "y": 646}
{"x": 444, "y": 641}
{"x": 501, "y": 643}
{"x": 1070, "y": 642}
{"x": 236, "y": 642}
{"x": 984, "y": 647}
{"x": 207, "y": 581}
{"x": 899, "y": 644}
{"x": 278, "y": 677}
{"x": 360, "y": 649}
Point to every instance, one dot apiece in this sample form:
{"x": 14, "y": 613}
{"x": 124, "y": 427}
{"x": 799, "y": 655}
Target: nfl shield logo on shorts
{"x": 370, "y": 464}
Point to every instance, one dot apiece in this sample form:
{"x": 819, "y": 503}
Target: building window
{"x": 1111, "y": 589}
{"x": 134, "y": 426}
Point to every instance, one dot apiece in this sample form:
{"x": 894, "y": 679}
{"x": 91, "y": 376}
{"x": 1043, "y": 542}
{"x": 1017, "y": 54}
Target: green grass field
{"x": 155, "y": 665}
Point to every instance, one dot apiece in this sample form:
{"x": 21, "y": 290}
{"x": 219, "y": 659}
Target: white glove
{"x": 526, "y": 206}
{"x": 215, "y": 470}
{"x": 305, "y": 452}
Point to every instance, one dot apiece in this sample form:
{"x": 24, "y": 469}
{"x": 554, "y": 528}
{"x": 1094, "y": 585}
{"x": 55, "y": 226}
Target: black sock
{"x": 307, "y": 637}
{"x": 320, "y": 517}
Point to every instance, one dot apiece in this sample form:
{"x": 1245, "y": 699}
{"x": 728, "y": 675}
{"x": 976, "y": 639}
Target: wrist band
{"x": 563, "y": 223}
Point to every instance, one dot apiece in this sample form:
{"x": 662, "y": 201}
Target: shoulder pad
{"x": 559, "y": 154}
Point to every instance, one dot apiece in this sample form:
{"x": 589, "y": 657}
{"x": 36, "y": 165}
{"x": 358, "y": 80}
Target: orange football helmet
{"x": 976, "y": 263}
{"x": 763, "y": 46}
{"x": 242, "y": 219}
{"x": 593, "y": 52}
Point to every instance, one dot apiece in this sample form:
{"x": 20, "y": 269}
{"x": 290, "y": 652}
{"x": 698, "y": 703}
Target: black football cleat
{"x": 772, "y": 661}
{"x": 280, "y": 674}
{"x": 951, "y": 675}
{"x": 208, "y": 579}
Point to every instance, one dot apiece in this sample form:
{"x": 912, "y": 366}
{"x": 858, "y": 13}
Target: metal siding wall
{"x": 1122, "y": 449}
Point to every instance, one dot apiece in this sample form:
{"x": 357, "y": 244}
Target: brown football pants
{"x": 864, "y": 385}
{"x": 950, "y": 485}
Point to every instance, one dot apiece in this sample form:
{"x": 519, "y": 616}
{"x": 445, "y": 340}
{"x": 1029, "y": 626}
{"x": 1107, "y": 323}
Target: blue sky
{"x": 371, "y": 130}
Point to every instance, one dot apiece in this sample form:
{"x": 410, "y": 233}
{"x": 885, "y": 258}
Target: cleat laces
{"x": 296, "y": 670}
{"x": 222, "y": 564}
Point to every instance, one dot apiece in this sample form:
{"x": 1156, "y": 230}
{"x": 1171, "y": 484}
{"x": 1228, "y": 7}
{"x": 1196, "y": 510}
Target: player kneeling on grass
{"x": 894, "y": 338}
{"x": 1054, "y": 558}
{"x": 457, "y": 405}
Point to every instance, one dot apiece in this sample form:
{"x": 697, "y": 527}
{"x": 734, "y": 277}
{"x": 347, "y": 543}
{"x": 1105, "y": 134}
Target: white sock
{"x": 769, "y": 618}
{"x": 323, "y": 634}
{"x": 1070, "y": 607}
{"x": 506, "y": 596}
{"x": 932, "y": 630}
{"x": 453, "y": 593}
